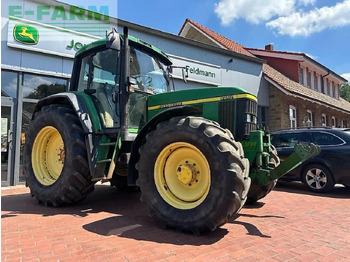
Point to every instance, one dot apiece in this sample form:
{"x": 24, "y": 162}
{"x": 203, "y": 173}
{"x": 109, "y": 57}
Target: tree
{"x": 45, "y": 90}
{"x": 345, "y": 91}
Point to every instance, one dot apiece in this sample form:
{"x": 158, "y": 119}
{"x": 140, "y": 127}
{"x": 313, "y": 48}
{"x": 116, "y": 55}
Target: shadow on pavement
{"x": 128, "y": 216}
{"x": 299, "y": 188}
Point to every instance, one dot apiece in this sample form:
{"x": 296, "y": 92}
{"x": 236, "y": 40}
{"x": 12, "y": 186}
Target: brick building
{"x": 302, "y": 92}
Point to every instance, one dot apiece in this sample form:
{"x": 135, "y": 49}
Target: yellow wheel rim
{"x": 182, "y": 175}
{"x": 48, "y": 155}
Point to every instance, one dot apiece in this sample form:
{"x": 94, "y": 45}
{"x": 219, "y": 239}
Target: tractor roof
{"x": 146, "y": 47}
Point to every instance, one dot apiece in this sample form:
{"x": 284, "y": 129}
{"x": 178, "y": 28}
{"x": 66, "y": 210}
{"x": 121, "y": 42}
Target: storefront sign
{"x": 196, "y": 71}
{"x": 34, "y": 36}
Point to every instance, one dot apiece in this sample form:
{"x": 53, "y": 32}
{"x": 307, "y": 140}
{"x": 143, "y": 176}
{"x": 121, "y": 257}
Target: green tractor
{"x": 196, "y": 155}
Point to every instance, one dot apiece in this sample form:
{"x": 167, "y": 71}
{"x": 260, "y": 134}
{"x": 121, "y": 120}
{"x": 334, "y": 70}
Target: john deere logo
{"x": 25, "y": 34}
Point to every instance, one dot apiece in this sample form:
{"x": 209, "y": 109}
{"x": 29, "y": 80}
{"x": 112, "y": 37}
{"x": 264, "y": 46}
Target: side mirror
{"x": 113, "y": 40}
{"x": 183, "y": 71}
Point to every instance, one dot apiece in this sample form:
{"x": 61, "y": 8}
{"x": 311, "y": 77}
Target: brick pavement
{"x": 290, "y": 224}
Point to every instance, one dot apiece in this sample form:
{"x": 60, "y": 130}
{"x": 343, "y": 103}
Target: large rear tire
{"x": 257, "y": 191}
{"x": 55, "y": 157}
{"x": 192, "y": 174}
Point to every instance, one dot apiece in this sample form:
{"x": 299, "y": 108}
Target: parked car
{"x": 322, "y": 172}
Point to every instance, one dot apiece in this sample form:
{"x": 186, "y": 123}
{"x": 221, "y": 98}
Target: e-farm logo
{"x": 25, "y": 34}
{"x": 61, "y": 13}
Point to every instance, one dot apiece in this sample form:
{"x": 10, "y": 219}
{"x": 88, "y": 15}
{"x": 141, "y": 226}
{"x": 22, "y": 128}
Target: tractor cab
{"x": 118, "y": 74}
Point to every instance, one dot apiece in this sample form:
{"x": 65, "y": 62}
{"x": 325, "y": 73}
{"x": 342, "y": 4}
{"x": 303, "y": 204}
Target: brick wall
{"x": 279, "y": 111}
{"x": 289, "y": 68}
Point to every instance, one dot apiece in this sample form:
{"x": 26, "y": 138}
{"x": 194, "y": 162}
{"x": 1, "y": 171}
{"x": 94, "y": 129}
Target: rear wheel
{"x": 55, "y": 157}
{"x": 318, "y": 178}
{"x": 192, "y": 174}
{"x": 257, "y": 191}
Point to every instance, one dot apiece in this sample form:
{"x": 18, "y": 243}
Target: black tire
{"x": 69, "y": 181}
{"x": 317, "y": 178}
{"x": 227, "y": 171}
{"x": 257, "y": 191}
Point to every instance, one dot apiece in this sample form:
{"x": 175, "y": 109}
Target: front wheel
{"x": 55, "y": 157}
{"x": 318, "y": 178}
{"x": 258, "y": 191}
{"x": 192, "y": 174}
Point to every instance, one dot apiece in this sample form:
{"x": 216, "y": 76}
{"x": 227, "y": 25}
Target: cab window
{"x": 99, "y": 72}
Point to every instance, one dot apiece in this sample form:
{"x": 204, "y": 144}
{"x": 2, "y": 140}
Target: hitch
{"x": 302, "y": 152}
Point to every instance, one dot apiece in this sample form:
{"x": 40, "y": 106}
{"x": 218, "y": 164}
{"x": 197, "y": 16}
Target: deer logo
{"x": 26, "y": 34}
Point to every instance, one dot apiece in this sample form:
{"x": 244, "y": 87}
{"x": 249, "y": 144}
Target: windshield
{"x": 146, "y": 73}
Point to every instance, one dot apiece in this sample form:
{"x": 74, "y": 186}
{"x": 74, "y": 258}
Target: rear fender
{"x": 165, "y": 115}
{"x": 74, "y": 101}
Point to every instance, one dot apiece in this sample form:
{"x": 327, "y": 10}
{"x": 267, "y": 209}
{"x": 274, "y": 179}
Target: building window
{"x": 308, "y": 75}
{"x": 9, "y": 83}
{"x": 324, "y": 120}
{"x": 333, "y": 90}
{"x": 293, "y": 116}
{"x": 343, "y": 124}
{"x": 334, "y": 122}
{"x": 336, "y": 94}
{"x": 309, "y": 120}
{"x": 301, "y": 75}
{"x": 263, "y": 116}
{"x": 328, "y": 91}
{"x": 39, "y": 86}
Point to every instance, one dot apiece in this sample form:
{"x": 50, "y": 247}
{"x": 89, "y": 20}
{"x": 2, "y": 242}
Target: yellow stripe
{"x": 205, "y": 100}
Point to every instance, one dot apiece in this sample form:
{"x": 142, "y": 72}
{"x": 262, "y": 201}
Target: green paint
{"x": 133, "y": 130}
{"x": 42, "y": 10}
{"x": 59, "y": 12}
{"x": 76, "y": 12}
{"x": 25, "y": 34}
{"x": 15, "y": 10}
{"x": 96, "y": 122}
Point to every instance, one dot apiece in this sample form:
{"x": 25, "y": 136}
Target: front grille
{"x": 226, "y": 115}
{"x": 247, "y": 113}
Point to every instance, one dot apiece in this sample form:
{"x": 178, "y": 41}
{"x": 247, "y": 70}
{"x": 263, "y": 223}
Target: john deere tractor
{"x": 196, "y": 155}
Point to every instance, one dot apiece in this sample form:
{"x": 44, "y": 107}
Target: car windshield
{"x": 147, "y": 74}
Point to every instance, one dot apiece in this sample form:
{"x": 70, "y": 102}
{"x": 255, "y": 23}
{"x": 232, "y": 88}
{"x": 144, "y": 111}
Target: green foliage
{"x": 345, "y": 92}
{"x": 45, "y": 90}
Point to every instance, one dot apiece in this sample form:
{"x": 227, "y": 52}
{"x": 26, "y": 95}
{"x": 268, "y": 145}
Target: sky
{"x": 318, "y": 28}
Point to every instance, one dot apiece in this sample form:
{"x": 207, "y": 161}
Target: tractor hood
{"x": 196, "y": 96}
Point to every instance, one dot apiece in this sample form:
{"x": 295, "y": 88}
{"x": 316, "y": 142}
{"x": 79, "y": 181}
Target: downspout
{"x": 322, "y": 83}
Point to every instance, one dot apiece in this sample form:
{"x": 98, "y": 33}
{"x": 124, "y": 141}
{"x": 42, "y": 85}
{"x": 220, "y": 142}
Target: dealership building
{"x": 38, "y": 42}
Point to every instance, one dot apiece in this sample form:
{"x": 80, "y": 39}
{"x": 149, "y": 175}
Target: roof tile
{"x": 286, "y": 83}
{"x": 227, "y": 43}
{"x": 300, "y": 90}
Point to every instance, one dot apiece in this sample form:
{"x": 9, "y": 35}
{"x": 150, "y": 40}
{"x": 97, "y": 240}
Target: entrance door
{"x": 6, "y": 139}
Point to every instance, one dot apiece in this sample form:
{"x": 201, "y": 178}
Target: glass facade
{"x": 38, "y": 86}
{"x": 9, "y": 83}
{"x": 24, "y": 97}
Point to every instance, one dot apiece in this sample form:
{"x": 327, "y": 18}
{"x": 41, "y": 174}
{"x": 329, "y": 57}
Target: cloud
{"x": 306, "y": 2}
{"x": 286, "y": 17}
{"x": 346, "y": 76}
{"x": 316, "y": 20}
{"x": 254, "y": 11}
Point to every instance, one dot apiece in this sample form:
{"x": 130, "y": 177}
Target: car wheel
{"x": 318, "y": 178}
